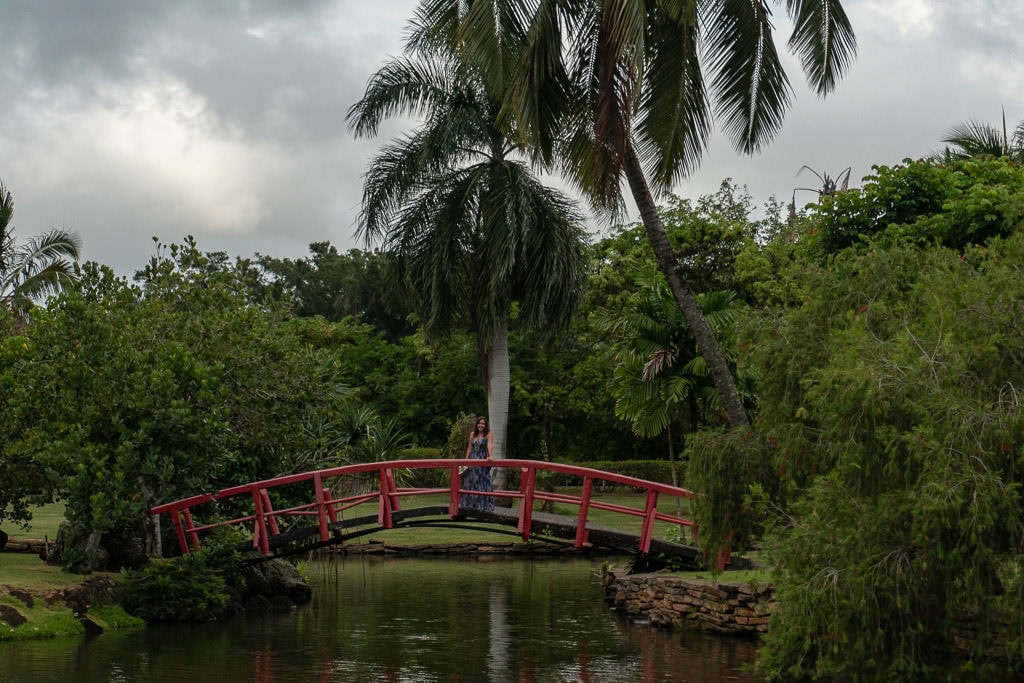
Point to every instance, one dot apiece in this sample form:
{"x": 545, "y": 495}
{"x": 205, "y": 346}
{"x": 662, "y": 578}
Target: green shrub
{"x": 192, "y": 587}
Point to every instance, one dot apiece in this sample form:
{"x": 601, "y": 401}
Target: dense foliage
{"x": 189, "y": 588}
{"x": 953, "y": 205}
{"x": 877, "y": 336}
{"x": 881, "y": 474}
{"x": 119, "y": 397}
{"x": 893, "y": 399}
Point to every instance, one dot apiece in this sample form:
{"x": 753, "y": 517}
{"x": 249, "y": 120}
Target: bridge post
{"x": 454, "y": 483}
{"x": 650, "y": 510}
{"x": 396, "y": 504}
{"x": 269, "y": 511}
{"x": 321, "y": 506}
{"x": 527, "y": 487}
{"x": 193, "y": 537}
{"x": 332, "y": 514}
{"x": 260, "y": 539}
{"x": 384, "y": 502}
{"x": 581, "y": 520}
{"x": 182, "y": 543}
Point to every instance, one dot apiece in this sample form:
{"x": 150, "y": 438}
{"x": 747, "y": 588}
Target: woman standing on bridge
{"x": 478, "y": 478}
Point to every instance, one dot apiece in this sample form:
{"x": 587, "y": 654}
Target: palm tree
{"x": 660, "y": 374}
{"x": 616, "y": 89}
{"x": 660, "y": 369}
{"x": 974, "y": 138}
{"x": 33, "y": 270}
{"x": 472, "y": 229}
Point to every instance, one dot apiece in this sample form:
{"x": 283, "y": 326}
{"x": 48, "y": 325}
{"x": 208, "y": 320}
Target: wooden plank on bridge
{"x": 543, "y": 525}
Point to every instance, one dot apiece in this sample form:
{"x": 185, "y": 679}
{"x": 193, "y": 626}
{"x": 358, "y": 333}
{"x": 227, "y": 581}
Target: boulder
{"x": 11, "y": 616}
{"x": 82, "y": 551}
{"x": 273, "y": 578}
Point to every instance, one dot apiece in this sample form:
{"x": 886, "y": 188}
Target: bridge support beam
{"x": 527, "y": 486}
{"x": 321, "y": 505}
{"x": 647, "y": 530}
{"x": 260, "y": 538}
{"x": 581, "y": 520}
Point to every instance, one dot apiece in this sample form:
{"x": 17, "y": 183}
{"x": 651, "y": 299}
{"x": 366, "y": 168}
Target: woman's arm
{"x": 490, "y": 445}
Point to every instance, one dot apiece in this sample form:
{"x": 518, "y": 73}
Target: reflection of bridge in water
{"x": 313, "y": 496}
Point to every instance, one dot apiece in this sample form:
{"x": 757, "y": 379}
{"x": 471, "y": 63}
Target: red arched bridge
{"x": 315, "y": 496}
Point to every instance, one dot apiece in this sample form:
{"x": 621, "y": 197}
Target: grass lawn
{"x": 27, "y": 572}
{"x": 45, "y": 520}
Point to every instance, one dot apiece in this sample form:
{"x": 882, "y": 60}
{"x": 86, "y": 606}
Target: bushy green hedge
{"x": 186, "y": 588}
{"x": 192, "y": 587}
{"x": 651, "y": 470}
{"x": 419, "y": 453}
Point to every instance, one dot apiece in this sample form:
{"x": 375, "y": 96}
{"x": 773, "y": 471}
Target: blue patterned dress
{"x": 477, "y": 479}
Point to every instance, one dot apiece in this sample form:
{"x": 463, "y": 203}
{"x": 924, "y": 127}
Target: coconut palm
{"x": 472, "y": 229}
{"x": 616, "y": 88}
{"x": 33, "y": 270}
{"x": 975, "y": 138}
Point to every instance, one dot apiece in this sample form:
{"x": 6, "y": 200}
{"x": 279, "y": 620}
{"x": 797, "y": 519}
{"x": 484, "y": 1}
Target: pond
{"x": 480, "y": 619}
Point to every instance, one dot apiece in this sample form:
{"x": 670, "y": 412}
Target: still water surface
{"x": 487, "y": 620}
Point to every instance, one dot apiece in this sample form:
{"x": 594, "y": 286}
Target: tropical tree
{"x": 337, "y": 285}
{"x": 472, "y": 230}
{"x": 661, "y": 377}
{"x": 616, "y": 89}
{"x": 35, "y": 269}
{"x": 661, "y": 381}
{"x": 974, "y": 138}
{"x": 122, "y": 396}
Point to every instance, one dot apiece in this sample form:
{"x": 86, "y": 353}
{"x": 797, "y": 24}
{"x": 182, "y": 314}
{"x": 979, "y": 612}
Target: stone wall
{"x": 673, "y": 601}
{"x": 26, "y": 545}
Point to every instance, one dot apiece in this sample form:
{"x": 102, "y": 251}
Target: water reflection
{"x": 483, "y": 620}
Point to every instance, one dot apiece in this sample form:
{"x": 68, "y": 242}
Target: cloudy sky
{"x": 224, "y": 119}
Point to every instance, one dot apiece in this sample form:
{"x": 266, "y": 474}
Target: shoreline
{"x": 664, "y": 600}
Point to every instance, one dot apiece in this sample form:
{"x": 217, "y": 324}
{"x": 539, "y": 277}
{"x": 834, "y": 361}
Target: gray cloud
{"x": 225, "y": 120}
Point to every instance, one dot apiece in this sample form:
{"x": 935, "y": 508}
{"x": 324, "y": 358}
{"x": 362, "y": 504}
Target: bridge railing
{"x": 327, "y": 507}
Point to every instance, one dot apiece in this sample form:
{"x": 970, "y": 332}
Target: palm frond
{"x": 433, "y": 27}
{"x": 535, "y": 246}
{"x": 432, "y": 240}
{"x": 403, "y": 86}
{"x": 675, "y": 120}
{"x": 752, "y": 90}
{"x": 39, "y": 267}
{"x": 540, "y": 92}
{"x": 975, "y": 138}
{"x": 823, "y": 39}
{"x": 491, "y": 35}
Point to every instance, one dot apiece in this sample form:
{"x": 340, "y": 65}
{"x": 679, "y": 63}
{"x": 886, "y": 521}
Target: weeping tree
{"x": 474, "y": 233}
{"x": 616, "y": 90}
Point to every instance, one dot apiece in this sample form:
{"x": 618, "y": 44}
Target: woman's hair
{"x": 487, "y": 428}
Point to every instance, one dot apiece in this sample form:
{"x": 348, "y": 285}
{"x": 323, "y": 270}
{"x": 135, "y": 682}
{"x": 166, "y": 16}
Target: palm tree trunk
{"x": 498, "y": 387}
{"x": 735, "y": 414}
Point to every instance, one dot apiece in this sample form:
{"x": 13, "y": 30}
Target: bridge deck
{"x": 544, "y": 525}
